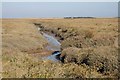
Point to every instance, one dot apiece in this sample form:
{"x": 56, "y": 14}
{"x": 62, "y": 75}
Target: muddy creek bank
{"x": 83, "y": 48}
{"x": 53, "y": 45}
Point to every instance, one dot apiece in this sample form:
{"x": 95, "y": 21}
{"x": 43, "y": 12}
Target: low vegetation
{"x": 89, "y": 47}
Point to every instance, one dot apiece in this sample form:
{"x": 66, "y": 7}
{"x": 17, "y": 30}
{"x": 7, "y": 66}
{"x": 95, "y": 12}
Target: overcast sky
{"x": 58, "y": 9}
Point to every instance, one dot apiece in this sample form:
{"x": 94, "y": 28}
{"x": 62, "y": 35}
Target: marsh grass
{"x": 90, "y": 41}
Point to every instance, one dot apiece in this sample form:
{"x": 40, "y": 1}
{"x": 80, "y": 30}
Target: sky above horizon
{"x": 59, "y": 9}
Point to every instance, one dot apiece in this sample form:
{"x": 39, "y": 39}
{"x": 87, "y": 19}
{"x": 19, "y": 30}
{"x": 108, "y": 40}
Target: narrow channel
{"x": 53, "y": 45}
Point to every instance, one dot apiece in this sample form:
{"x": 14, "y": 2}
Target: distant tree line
{"x": 76, "y": 17}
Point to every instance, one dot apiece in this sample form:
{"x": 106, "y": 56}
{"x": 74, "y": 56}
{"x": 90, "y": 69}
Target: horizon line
{"x": 54, "y": 17}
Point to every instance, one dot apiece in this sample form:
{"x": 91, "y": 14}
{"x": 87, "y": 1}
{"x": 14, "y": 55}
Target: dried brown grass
{"x": 96, "y": 36}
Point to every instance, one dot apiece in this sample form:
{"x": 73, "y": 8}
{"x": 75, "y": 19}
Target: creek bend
{"x": 53, "y": 45}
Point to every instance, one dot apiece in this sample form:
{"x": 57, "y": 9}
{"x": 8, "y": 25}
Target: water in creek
{"x": 53, "y": 45}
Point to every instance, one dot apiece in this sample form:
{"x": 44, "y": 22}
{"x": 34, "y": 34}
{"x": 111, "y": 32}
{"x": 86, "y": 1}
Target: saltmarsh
{"x": 88, "y": 45}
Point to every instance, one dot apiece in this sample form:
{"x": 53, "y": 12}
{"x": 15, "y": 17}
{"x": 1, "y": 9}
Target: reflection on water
{"x": 53, "y": 45}
{"x": 53, "y": 57}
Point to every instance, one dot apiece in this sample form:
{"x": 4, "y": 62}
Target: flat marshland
{"x": 89, "y": 47}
